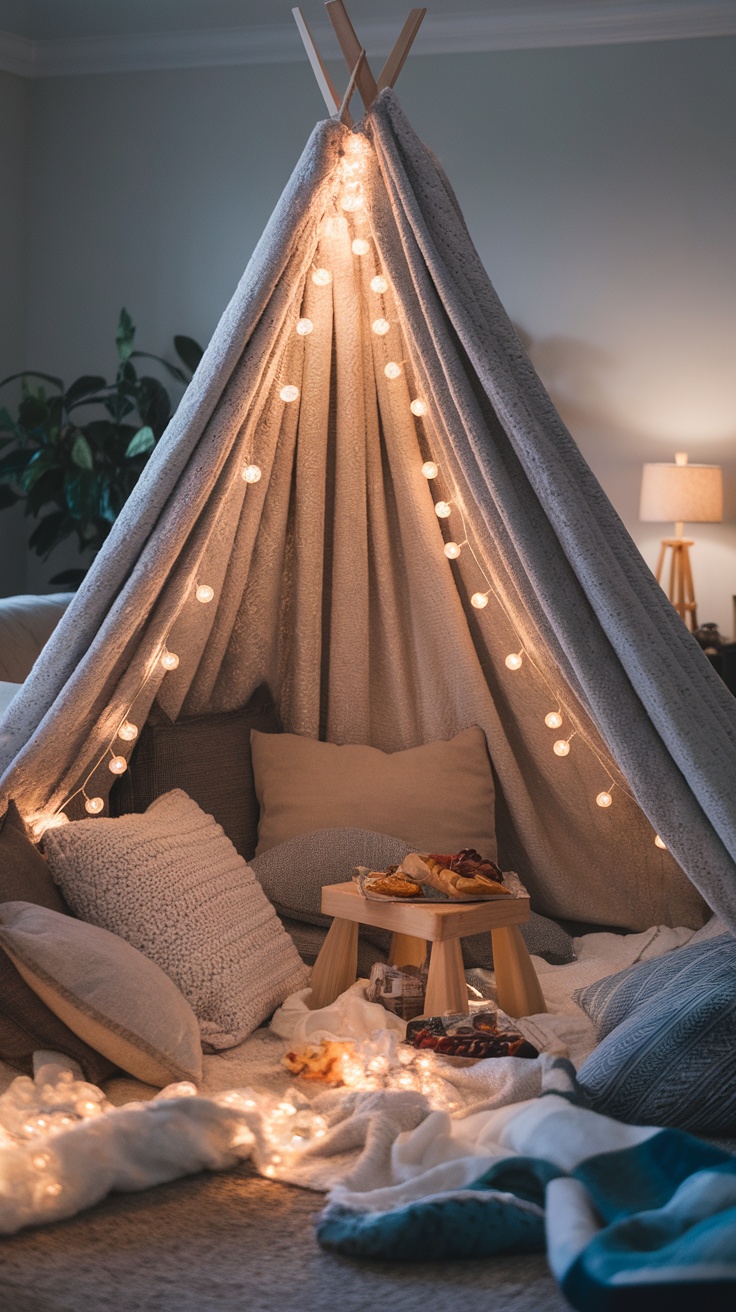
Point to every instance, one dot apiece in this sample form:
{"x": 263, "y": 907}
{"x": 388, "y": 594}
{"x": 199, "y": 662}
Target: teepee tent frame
{"x": 363, "y": 395}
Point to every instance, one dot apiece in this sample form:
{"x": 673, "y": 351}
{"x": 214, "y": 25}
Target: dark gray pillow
{"x": 209, "y": 758}
{"x": 292, "y": 875}
{"x": 26, "y": 1023}
{"x": 669, "y": 1052}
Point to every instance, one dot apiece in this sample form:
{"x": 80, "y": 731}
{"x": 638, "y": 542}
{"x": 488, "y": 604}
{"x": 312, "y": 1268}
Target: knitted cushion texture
{"x": 26, "y": 1023}
{"x": 171, "y": 883}
{"x": 170, "y": 754}
{"x": 668, "y": 1054}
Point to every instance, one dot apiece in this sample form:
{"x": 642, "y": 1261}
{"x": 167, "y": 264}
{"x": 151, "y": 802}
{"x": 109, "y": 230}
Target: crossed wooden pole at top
{"x": 355, "y": 58}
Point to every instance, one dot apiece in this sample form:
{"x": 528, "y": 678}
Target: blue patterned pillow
{"x": 671, "y": 1059}
{"x": 614, "y": 998}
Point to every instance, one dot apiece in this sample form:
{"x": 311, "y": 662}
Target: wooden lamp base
{"x": 681, "y": 591}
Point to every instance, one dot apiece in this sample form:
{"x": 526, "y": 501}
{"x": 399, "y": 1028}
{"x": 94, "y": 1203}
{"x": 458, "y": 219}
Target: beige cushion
{"x": 108, "y": 994}
{"x": 171, "y": 883}
{"x": 438, "y": 798}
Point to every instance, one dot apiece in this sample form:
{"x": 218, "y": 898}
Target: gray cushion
{"x": 292, "y": 874}
{"x": 107, "y": 993}
{"x": 668, "y": 1055}
{"x": 26, "y": 1023}
{"x": 209, "y": 758}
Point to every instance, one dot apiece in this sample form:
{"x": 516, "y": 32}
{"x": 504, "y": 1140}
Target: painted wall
{"x": 599, "y": 184}
{"x": 13, "y": 158}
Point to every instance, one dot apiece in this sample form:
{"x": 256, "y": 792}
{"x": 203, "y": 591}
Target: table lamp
{"x": 681, "y": 493}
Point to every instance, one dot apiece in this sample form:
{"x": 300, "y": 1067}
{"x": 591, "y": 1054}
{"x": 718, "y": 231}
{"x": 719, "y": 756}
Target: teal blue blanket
{"x": 629, "y": 1215}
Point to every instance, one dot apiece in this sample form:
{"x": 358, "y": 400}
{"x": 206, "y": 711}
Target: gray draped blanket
{"x": 330, "y": 579}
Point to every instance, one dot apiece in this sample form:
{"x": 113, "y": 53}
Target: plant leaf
{"x": 8, "y": 424}
{"x": 38, "y": 465}
{"x": 124, "y": 336}
{"x": 46, "y": 534}
{"x": 82, "y": 452}
{"x": 82, "y": 387}
{"x": 7, "y": 496}
{"x": 144, "y": 440}
{"x": 12, "y": 466}
{"x": 173, "y": 369}
{"x": 189, "y": 352}
{"x": 33, "y": 373}
{"x": 71, "y": 577}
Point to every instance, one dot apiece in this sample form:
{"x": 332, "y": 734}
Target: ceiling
{"x": 44, "y": 20}
{"x": 42, "y": 38}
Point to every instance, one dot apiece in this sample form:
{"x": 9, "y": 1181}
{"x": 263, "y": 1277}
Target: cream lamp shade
{"x": 681, "y": 493}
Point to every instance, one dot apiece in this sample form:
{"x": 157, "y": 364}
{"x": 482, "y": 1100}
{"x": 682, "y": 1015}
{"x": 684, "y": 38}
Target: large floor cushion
{"x": 26, "y": 1023}
{"x": 668, "y": 1049}
{"x": 209, "y": 758}
{"x": 437, "y": 798}
{"x": 171, "y": 883}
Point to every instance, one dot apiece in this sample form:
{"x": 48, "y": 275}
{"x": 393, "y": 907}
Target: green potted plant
{"x": 75, "y": 453}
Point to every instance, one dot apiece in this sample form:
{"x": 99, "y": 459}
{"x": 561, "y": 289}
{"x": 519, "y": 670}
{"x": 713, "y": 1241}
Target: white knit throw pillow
{"x": 172, "y": 884}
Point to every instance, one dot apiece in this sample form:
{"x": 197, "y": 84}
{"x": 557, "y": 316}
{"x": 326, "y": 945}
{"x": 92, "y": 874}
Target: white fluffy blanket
{"x": 414, "y": 1122}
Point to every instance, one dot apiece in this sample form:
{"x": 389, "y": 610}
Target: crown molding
{"x": 515, "y": 27}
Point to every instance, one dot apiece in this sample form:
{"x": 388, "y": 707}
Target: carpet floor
{"x": 237, "y": 1243}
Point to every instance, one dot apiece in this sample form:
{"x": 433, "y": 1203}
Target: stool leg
{"x": 406, "y": 950}
{"x": 446, "y": 987}
{"x": 336, "y": 966}
{"x": 519, "y": 991}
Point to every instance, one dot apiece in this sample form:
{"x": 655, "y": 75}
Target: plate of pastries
{"x": 463, "y": 876}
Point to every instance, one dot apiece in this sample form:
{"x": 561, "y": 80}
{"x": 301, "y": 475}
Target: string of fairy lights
{"x": 351, "y": 200}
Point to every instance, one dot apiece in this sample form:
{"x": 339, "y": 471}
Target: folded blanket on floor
{"x": 630, "y": 1215}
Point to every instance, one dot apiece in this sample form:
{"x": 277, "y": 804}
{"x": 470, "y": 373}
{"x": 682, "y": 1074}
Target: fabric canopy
{"x": 329, "y": 576}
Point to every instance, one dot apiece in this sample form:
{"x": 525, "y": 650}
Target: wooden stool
{"x": 444, "y": 924}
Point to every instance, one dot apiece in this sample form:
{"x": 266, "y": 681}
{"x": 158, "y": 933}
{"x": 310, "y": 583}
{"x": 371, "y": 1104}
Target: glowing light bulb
{"x": 251, "y": 473}
{"x": 603, "y": 799}
{"x": 322, "y": 277}
{"x": 442, "y": 509}
{"x": 169, "y": 660}
{"x": 658, "y": 843}
{"x": 128, "y": 732}
{"x": 553, "y": 720}
{"x": 513, "y": 661}
{"x": 53, "y": 1189}
{"x": 40, "y": 823}
{"x": 352, "y": 200}
{"x": 479, "y": 600}
{"x": 361, "y": 246}
{"x": 430, "y": 469}
{"x": 392, "y": 369}
{"x": 40, "y": 1161}
{"x": 88, "y": 1108}
{"x": 204, "y": 593}
{"x": 451, "y": 550}
{"x": 289, "y": 393}
{"x": 304, "y": 327}
{"x": 561, "y": 747}
{"x": 94, "y": 805}
{"x": 379, "y": 284}
{"x": 418, "y": 407}
{"x": 381, "y": 327}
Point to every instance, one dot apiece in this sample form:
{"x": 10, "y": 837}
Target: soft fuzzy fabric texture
{"x": 329, "y": 574}
{"x": 113, "y": 997}
{"x": 668, "y": 1050}
{"x": 171, "y": 883}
